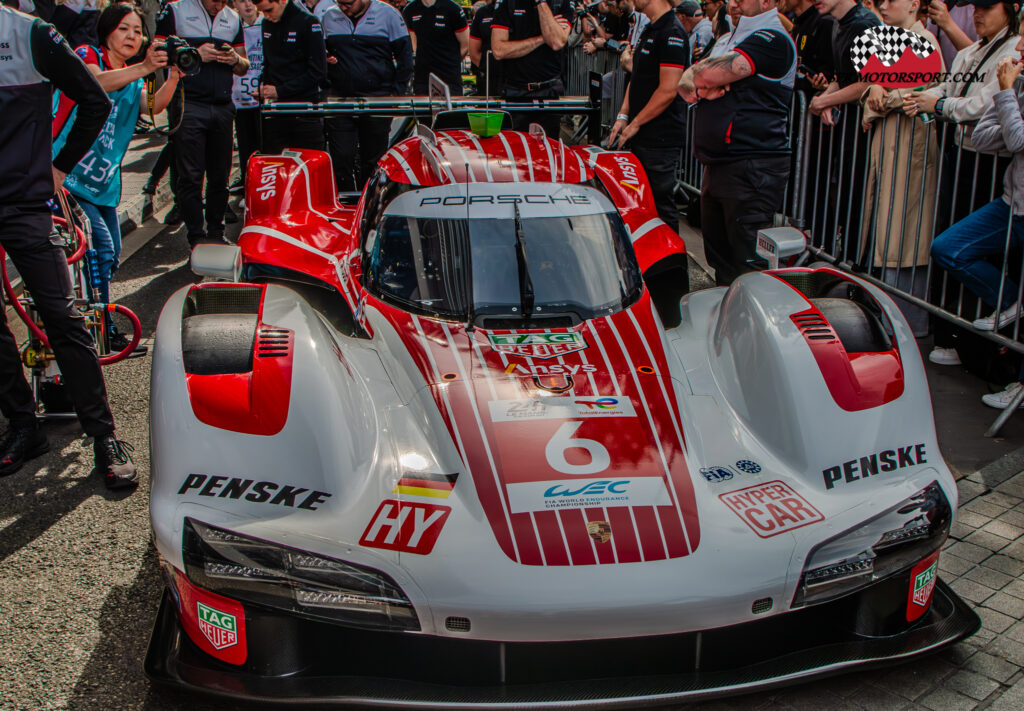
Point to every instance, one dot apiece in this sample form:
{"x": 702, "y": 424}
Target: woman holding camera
{"x": 96, "y": 180}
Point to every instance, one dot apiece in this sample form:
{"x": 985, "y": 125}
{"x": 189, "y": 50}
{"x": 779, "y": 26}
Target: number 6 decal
{"x": 563, "y": 440}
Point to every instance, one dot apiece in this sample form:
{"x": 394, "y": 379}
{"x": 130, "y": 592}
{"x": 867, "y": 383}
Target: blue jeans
{"x": 106, "y": 240}
{"x": 965, "y": 248}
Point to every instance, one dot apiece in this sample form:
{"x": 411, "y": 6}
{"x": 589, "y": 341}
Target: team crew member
{"x": 204, "y": 135}
{"x": 529, "y": 37}
{"x": 245, "y": 89}
{"x": 36, "y": 57}
{"x": 653, "y": 115}
{"x": 812, "y": 33}
{"x": 440, "y": 39}
{"x": 371, "y": 55}
{"x": 294, "y": 69}
{"x": 746, "y": 164}
{"x": 488, "y": 70}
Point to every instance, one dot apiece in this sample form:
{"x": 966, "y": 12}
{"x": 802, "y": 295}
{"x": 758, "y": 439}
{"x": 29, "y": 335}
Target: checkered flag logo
{"x": 887, "y": 44}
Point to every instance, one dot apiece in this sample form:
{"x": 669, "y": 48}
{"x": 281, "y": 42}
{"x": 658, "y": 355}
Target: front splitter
{"x": 174, "y": 660}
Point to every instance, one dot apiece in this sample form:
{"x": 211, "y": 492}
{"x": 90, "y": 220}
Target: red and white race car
{"x": 468, "y": 443}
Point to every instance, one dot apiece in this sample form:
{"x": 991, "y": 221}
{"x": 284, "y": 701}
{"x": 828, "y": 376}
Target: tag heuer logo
{"x": 923, "y": 584}
{"x": 537, "y": 345}
{"x": 218, "y": 627}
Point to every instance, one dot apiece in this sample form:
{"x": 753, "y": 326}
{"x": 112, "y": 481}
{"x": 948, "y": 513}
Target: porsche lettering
{"x": 772, "y": 508}
{"x": 258, "y": 492}
{"x": 533, "y": 199}
{"x": 888, "y": 460}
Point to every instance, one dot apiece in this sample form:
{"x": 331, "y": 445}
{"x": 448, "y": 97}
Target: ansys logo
{"x": 895, "y": 58}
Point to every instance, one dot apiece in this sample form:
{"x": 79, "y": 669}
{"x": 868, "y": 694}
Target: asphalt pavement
{"x": 79, "y": 583}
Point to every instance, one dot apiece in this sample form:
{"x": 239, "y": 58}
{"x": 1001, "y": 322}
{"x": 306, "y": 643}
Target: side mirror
{"x": 220, "y": 261}
{"x": 780, "y": 243}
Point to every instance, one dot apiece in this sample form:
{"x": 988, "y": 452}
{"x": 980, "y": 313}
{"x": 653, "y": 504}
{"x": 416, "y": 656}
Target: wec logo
{"x": 594, "y": 488}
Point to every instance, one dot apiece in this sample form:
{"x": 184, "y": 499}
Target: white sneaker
{"x": 1008, "y": 316}
{"x": 944, "y": 356}
{"x": 1002, "y": 399}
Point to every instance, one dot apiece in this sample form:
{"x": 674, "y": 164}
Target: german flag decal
{"x": 438, "y": 486}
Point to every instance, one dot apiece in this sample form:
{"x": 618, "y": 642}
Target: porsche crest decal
{"x": 600, "y": 531}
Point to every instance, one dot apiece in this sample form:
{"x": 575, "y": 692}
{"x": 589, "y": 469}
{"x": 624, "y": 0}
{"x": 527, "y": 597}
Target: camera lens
{"x": 188, "y": 61}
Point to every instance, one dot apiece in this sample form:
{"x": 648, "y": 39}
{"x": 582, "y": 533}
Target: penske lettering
{"x": 886, "y": 461}
{"x": 258, "y": 492}
{"x": 772, "y": 508}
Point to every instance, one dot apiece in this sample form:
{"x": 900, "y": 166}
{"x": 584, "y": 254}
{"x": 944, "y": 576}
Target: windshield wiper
{"x": 525, "y": 283}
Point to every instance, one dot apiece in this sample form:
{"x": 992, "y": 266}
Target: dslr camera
{"x": 182, "y": 55}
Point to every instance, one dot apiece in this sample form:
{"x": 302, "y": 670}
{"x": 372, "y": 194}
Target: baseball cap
{"x": 690, "y": 8}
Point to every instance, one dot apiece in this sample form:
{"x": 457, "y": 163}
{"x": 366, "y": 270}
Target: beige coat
{"x": 901, "y": 186}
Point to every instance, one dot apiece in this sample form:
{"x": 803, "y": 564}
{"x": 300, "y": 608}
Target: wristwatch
{"x": 939, "y": 104}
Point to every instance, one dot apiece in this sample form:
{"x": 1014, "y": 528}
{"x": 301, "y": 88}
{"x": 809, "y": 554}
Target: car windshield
{"x": 515, "y": 254}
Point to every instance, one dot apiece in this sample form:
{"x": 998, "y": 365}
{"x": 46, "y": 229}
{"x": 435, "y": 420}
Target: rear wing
{"x": 423, "y": 108}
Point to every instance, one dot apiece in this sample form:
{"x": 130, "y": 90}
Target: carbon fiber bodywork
{"x": 300, "y": 662}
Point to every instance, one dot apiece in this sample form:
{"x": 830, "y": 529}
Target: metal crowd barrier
{"x": 578, "y": 67}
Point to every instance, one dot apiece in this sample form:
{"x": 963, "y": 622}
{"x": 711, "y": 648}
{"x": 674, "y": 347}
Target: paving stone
{"x": 987, "y": 540}
{"x": 970, "y": 590}
{"x": 976, "y": 520}
{"x": 1012, "y": 487}
{"x": 998, "y": 471}
{"x": 985, "y": 508}
{"x": 872, "y": 697}
{"x": 915, "y": 679}
{"x": 994, "y": 620}
{"x": 988, "y": 577}
{"x": 991, "y": 666}
{"x": 1014, "y": 517}
{"x": 955, "y": 565}
{"x": 968, "y": 490}
{"x": 1005, "y": 564}
{"x": 960, "y": 531}
{"x": 1016, "y": 632}
{"x": 1003, "y": 529}
{"x": 1007, "y": 649}
{"x": 975, "y": 553}
{"x": 1014, "y": 550}
{"x": 1006, "y": 604}
{"x": 1000, "y": 498}
{"x": 972, "y": 684}
{"x": 948, "y": 700}
{"x": 1012, "y": 699}
{"x": 1015, "y": 588}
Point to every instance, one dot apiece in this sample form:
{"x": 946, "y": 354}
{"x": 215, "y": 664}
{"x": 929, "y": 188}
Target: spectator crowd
{"x": 902, "y": 178}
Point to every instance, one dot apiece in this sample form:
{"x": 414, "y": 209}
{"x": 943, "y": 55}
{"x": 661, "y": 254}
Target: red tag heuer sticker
{"x": 922, "y": 585}
{"x": 220, "y": 628}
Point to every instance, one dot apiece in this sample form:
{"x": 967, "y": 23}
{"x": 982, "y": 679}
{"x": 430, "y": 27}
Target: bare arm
{"x": 476, "y": 51}
{"x": 114, "y": 79}
{"x": 708, "y": 78}
{"x": 554, "y": 33}
{"x": 463, "y": 38}
{"x": 412, "y": 37}
{"x": 504, "y": 48}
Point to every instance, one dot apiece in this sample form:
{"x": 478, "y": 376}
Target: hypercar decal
{"x": 528, "y": 472}
{"x": 438, "y": 486}
{"x": 772, "y": 508}
{"x": 405, "y": 526}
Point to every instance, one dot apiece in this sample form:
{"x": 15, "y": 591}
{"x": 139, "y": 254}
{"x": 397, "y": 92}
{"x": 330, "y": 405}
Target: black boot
{"x": 117, "y": 342}
{"x": 114, "y": 463}
{"x": 20, "y": 444}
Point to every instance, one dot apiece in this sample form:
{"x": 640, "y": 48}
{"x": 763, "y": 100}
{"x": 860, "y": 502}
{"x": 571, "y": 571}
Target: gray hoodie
{"x": 1002, "y": 129}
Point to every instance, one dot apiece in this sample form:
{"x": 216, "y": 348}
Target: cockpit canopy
{"x": 470, "y": 250}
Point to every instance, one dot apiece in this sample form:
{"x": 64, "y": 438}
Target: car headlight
{"x": 303, "y": 583}
{"x": 885, "y": 545}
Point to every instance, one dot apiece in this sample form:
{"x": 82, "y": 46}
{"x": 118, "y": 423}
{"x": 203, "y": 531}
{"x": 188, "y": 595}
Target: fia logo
{"x": 717, "y": 474}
